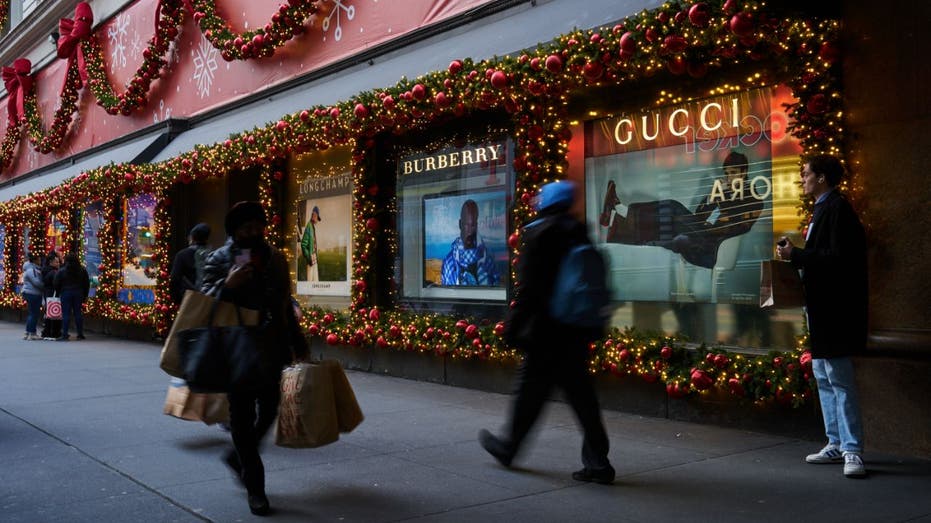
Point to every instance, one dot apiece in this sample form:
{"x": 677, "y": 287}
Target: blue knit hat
{"x": 561, "y": 193}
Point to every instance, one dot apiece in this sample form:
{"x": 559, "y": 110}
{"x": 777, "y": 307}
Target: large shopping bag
{"x": 195, "y": 312}
{"x": 181, "y": 403}
{"x": 53, "y": 308}
{"x": 307, "y": 412}
{"x": 317, "y": 403}
{"x": 348, "y": 413}
{"x": 780, "y": 285}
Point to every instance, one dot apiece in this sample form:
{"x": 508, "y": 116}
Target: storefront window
{"x": 138, "y": 245}
{"x": 56, "y": 233}
{"x": 321, "y": 224}
{"x": 91, "y": 221}
{"x": 452, "y": 224}
{"x": 685, "y": 201}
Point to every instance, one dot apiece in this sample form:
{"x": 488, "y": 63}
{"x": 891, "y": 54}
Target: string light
{"x": 533, "y": 91}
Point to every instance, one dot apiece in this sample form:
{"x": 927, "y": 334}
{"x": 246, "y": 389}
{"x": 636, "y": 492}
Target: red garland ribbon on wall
{"x": 86, "y": 63}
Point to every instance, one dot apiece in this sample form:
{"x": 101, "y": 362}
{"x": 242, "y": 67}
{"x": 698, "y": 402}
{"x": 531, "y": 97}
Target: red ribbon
{"x": 18, "y": 82}
{"x": 72, "y": 33}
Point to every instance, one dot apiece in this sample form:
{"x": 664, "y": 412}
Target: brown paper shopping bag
{"x": 780, "y": 285}
{"x": 195, "y": 312}
{"x": 348, "y": 413}
{"x": 307, "y": 412}
{"x": 181, "y": 403}
{"x": 317, "y": 403}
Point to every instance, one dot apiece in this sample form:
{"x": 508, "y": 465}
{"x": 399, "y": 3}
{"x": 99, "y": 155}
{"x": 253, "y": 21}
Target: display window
{"x": 685, "y": 201}
{"x": 321, "y": 223}
{"x": 453, "y": 223}
{"x": 138, "y": 244}
{"x": 92, "y": 219}
{"x": 56, "y": 236}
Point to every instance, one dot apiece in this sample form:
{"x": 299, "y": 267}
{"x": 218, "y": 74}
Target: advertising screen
{"x": 453, "y": 221}
{"x": 681, "y": 199}
{"x": 461, "y": 235}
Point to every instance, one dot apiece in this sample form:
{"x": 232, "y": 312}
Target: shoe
{"x": 231, "y": 459}
{"x": 853, "y": 465}
{"x": 829, "y": 454}
{"x": 31, "y": 337}
{"x": 603, "y": 476}
{"x": 81, "y": 337}
{"x": 611, "y": 200}
{"x": 63, "y": 338}
{"x": 496, "y": 447}
{"x": 258, "y": 504}
{"x": 26, "y": 336}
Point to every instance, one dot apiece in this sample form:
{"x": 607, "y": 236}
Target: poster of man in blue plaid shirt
{"x": 469, "y": 261}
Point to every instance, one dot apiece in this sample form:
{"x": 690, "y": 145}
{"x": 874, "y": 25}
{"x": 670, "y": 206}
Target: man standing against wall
{"x": 833, "y": 265}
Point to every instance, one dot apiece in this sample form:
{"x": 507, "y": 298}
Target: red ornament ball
{"x": 553, "y": 63}
{"x": 499, "y": 80}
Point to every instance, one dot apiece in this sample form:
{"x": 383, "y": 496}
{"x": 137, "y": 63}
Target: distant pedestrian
{"x": 51, "y": 329}
{"x": 32, "y": 293}
{"x": 834, "y": 275}
{"x": 73, "y": 285}
{"x": 187, "y": 270}
{"x": 251, "y": 273}
{"x": 554, "y": 354}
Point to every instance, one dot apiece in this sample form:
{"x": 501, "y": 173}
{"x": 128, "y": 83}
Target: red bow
{"x": 72, "y": 32}
{"x": 18, "y": 82}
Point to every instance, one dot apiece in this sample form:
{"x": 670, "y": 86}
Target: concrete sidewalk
{"x": 82, "y": 438}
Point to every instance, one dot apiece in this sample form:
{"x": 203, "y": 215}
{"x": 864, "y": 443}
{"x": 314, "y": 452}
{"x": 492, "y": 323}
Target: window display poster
{"x": 138, "y": 245}
{"x": 464, "y": 239}
{"x": 680, "y": 199}
{"x": 324, "y": 235}
{"x": 92, "y": 220}
{"x": 55, "y": 234}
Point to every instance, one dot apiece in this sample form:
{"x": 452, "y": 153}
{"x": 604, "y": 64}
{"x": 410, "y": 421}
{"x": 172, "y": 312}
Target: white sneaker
{"x": 829, "y": 454}
{"x": 853, "y": 465}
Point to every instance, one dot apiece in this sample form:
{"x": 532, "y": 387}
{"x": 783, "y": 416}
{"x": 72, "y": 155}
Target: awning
{"x": 139, "y": 149}
{"x": 479, "y": 39}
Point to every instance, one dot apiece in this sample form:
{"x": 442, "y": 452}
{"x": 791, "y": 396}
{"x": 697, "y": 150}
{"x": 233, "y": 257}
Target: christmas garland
{"x": 679, "y": 39}
{"x": 287, "y": 23}
{"x": 4, "y": 12}
{"x": 170, "y": 18}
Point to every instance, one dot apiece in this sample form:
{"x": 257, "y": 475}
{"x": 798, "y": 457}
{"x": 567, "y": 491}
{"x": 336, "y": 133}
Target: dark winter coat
{"x": 73, "y": 279}
{"x": 269, "y": 291}
{"x": 545, "y": 242}
{"x": 834, "y": 276}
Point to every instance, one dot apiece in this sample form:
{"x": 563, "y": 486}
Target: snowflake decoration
{"x": 337, "y": 11}
{"x": 163, "y": 112}
{"x": 118, "y": 33}
{"x": 205, "y": 65}
{"x": 136, "y": 47}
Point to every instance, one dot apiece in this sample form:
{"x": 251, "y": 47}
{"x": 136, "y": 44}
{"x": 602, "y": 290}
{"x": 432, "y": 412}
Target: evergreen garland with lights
{"x": 532, "y": 89}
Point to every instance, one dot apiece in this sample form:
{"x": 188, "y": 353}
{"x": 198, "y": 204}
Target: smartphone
{"x": 242, "y": 257}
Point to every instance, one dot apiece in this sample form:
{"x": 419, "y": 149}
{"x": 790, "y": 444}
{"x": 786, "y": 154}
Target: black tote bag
{"x": 217, "y": 358}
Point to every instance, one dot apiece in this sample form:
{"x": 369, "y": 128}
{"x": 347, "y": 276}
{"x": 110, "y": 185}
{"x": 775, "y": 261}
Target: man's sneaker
{"x": 853, "y": 465}
{"x": 829, "y": 454}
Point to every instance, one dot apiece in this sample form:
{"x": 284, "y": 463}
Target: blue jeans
{"x": 34, "y": 308}
{"x": 839, "y": 403}
{"x": 71, "y": 305}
